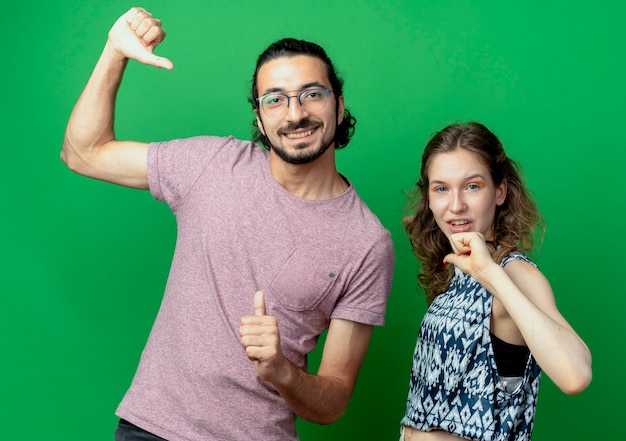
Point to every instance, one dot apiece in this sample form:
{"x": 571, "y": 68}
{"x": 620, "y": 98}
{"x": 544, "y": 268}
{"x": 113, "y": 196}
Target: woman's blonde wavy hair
{"x": 517, "y": 221}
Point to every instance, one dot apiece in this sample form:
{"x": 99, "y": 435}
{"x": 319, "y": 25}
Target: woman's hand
{"x": 471, "y": 254}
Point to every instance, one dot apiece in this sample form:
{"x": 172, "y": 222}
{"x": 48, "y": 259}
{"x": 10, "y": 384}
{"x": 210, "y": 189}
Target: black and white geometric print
{"x": 454, "y": 379}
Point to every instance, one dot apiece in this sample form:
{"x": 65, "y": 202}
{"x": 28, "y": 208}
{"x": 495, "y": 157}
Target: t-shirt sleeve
{"x": 366, "y": 298}
{"x": 174, "y": 166}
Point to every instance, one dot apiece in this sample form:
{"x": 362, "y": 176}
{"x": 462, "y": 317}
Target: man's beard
{"x": 303, "y": 156}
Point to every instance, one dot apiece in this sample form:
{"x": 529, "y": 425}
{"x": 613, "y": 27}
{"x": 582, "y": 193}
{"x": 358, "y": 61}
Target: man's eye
{"x": 273, "y": 100}
{"x": 313, "y": 94}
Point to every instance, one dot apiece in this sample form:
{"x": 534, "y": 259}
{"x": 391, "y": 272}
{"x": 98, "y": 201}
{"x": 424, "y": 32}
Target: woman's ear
{"x": 501, "y": 193}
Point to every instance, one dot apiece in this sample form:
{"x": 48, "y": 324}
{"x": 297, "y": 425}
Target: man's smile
{"x": 298, "y": 135}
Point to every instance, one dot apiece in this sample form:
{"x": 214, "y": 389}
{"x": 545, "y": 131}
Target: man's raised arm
{"x": 89, "y": 146}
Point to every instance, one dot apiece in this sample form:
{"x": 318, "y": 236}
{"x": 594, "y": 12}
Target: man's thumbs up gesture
{"x": 261, "y": 340}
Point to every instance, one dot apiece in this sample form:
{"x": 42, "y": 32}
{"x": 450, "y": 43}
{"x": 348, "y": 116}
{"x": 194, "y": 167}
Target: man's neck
{"x": 317, "y": 180}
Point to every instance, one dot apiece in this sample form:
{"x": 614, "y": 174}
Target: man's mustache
{"x": 291, "y": 127}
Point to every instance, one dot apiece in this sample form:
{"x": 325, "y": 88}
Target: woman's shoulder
{"x": 522, "y": 270}
{"x": 517, "y": 256}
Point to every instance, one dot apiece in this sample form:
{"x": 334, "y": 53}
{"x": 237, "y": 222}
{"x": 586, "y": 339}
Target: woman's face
{"x": 461, "y": 193}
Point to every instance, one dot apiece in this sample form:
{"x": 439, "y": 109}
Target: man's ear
{"x": 341, "y": 108}
{"x": 259, "y": 122}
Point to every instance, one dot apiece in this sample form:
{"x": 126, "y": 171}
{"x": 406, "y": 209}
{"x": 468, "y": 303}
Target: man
{"x": 278, "y": 233}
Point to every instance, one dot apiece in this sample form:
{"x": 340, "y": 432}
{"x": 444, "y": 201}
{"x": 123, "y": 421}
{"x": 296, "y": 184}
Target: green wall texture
{"x": 84, "y": 263}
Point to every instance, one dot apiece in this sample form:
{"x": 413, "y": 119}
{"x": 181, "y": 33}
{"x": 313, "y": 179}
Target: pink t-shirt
{"x": 239, "y": 231}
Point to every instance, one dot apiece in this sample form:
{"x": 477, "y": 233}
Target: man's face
{"x": 299, "y": 135}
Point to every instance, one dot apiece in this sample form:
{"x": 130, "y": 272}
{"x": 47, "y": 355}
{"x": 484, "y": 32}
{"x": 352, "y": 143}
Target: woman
{"x": 492, "y": 320}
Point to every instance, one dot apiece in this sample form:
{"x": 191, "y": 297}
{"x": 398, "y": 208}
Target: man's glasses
{"x": 312, "y": 100}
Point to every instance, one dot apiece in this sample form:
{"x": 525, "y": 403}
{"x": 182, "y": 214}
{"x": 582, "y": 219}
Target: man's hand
{"x": 261, "y": 340}
{"x": 135, "y": 35}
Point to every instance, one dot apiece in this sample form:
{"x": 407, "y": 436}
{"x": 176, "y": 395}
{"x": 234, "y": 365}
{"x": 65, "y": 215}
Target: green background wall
{"x": 84, "y": 263}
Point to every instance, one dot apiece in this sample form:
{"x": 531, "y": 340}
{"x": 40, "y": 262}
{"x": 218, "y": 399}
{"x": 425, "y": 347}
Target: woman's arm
{"x": 528, "y": 299}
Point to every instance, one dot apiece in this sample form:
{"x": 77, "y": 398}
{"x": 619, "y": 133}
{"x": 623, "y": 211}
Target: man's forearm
{"x": 316, "y": 398}
{"x": 323, "y": 398}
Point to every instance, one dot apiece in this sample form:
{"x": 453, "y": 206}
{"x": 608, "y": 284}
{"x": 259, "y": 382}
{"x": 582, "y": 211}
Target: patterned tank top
{"x": 455, "y": 384}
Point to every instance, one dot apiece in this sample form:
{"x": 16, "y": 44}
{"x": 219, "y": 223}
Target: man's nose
{"x": 295, "y": 110}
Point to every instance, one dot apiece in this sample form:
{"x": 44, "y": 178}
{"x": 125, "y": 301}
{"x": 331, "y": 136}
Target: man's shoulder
{"x": 365, "y": 218}
{"x": 204, "y": 149}
{"x": 206, "y": 141}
